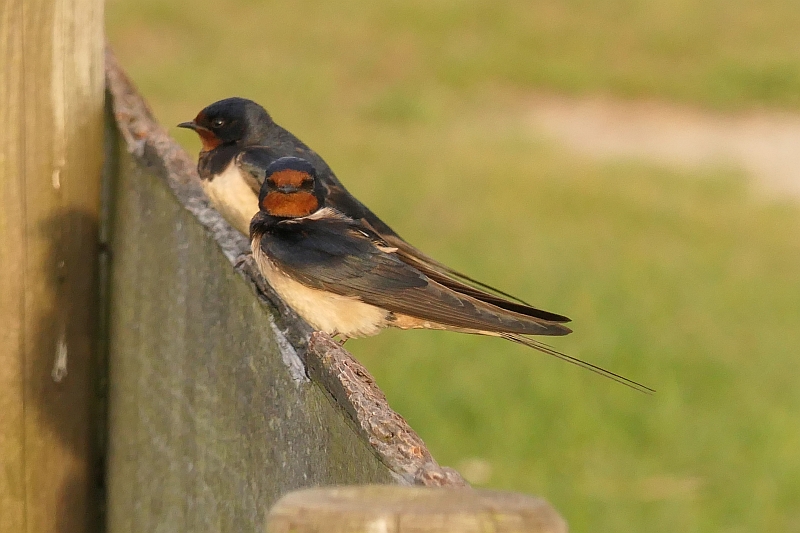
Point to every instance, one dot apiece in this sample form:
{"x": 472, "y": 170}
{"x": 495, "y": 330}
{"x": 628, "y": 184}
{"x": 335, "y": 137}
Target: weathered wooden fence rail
{"x": 220, "y": 399}
{"x": 145, "y": 363}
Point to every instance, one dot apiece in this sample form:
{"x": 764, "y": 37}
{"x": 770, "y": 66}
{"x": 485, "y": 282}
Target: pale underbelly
{"x": 233, "y": 198}
{"x": 324, "y": 311}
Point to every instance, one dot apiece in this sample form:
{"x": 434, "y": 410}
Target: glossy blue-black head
{"x": 230, "y": 121}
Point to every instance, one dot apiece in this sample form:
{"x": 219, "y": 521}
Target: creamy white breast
{"x": 233, "y": 197}
{"x": 325, "y": 311}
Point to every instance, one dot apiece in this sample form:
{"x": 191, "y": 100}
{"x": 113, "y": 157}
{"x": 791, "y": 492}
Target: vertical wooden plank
{"x": 12, "y": 474}
{"x": 51, "y": 108}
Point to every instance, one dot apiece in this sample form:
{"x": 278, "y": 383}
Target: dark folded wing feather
{"x": 339, "y": 256}
{"x": 445, "y": 275}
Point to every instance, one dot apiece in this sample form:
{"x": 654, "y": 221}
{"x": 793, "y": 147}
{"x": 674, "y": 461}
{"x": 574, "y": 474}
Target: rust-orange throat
{"x": 290, "y": 194}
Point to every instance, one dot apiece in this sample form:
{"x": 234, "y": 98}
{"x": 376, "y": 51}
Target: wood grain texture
{"x": 214, "y": 409}
{"x": 371, "y": 509}
{"x": 51, "y": 108}
{"x": 353, "y": 388}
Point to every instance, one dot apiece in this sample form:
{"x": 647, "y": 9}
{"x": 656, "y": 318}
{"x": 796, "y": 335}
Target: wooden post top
{"x": 400, "y": 509}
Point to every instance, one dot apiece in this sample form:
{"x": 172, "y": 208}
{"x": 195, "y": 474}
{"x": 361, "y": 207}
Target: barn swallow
{"x": 240, "y": 140}
{"x": 345, "y": 279}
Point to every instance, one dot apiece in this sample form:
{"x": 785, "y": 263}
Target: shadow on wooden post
{"x": 380, "y": 509}
{"x": 51, "y": 139}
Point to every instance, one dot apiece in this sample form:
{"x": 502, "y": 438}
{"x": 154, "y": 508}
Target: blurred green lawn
{"x": 685, "y": 281}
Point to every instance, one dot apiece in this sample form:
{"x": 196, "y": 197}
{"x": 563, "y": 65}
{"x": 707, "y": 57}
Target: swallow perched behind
{"x": 343, "y": 278}
{"x": 240, "y": 140}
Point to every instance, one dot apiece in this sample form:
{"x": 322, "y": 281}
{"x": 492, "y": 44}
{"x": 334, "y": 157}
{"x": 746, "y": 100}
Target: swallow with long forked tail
{"x": 344, "y": 279}
{"x": 240, "y": 140}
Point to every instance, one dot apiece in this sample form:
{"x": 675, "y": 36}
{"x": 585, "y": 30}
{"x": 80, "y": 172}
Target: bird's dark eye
{"x": 218, "y": 122}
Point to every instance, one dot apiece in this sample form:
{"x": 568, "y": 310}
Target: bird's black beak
{"x": 191, "y": 125}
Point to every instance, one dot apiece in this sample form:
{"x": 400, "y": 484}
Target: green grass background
{"x": 686, "y": 281}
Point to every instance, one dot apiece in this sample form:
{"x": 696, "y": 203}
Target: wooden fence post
{"x": 51, "y": 149}
{"x": 397, "y": 509}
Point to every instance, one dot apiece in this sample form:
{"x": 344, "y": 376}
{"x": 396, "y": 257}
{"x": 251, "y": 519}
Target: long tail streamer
{"x": 544, "y": 348}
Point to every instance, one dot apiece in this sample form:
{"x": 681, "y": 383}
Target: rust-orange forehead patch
{"x": 296, "y": 204}
{"x": 289, "y": 177}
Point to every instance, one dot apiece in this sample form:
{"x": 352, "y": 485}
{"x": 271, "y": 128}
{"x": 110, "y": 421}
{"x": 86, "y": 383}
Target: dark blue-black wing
{"x": 337, "y": 254}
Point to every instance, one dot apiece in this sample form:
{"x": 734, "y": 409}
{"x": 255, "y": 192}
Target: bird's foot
{"x": 339, "y": 338}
